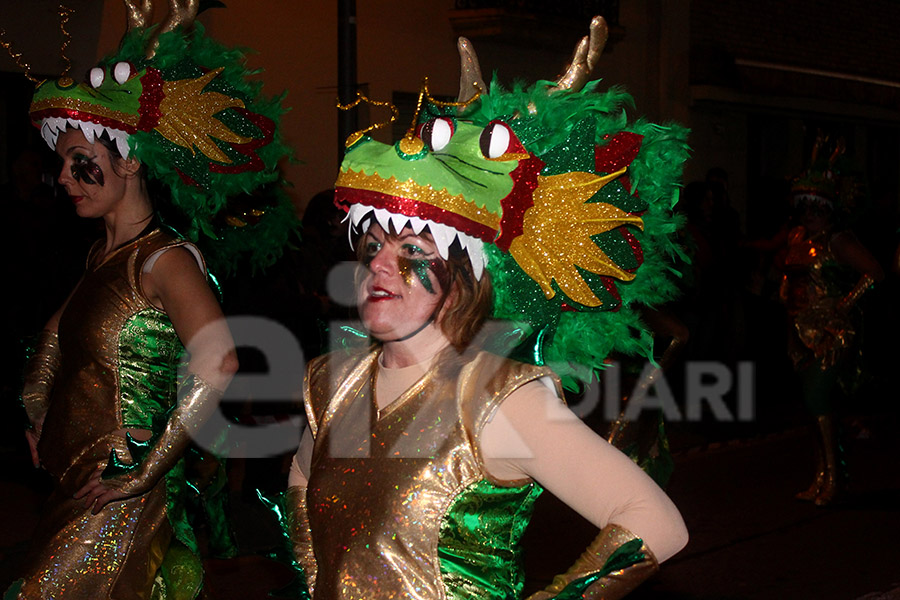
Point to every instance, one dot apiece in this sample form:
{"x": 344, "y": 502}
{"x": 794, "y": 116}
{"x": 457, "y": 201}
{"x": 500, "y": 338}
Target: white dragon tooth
{"x": 443, "y": 237}
{"x": 58, "y": 124}
{"x": 89, "y": 130}
{"x": 417, "y": 224}
{"x": 384, "y": 219}
{"x": 121, "y": 139}
{"x": 74, "y": 124}
{"x": 48, "y": 134}
{"x": 475, "y": 249}
{"x": 399, "y": 222}
{"x": 352, "y": 228}
{"x": 355, "y": 214}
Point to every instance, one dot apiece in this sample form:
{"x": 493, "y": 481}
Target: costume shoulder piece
{"x": 552, "y": 189}
{"x": 484, "y": 383}
{"x": 325, "y": 374}
{"x": 183, "y": 105}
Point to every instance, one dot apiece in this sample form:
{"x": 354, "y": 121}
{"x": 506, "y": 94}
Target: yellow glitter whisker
{"x": 64, "y": 14}
{"x": 17, "y": 58}
{"x": 360, "y": 98}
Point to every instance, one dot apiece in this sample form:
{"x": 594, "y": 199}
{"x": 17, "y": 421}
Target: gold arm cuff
{"x": 196, "y": 400}
{"x": 861, "y": 287}
{"x": 297, "y": 517}
{"x": 40, "y": 372}
{"x": 615, "y": 584}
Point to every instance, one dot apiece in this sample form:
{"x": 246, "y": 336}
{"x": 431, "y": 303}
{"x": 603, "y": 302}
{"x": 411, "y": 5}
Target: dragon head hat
{"x": 826, "y": 182}
{"x": 183, "y": 105}
{"x": 548, "y": 187}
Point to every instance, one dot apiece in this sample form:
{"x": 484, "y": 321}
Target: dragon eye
{"x": 96, "y": 77}
{"x": 437, "y": 133}
{"x": 495, "y": 140}
{"x": 123, "y": 71}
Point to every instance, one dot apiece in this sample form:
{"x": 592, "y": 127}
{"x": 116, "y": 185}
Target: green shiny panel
{"x": 90, "y": 101}
{"x": 479, "y": 546}
{"x": 625, "y": 556}
{"x": 12, "y": 591}
{"x": 176, "y": 506}
{"x": 458, "y": 168}
{"x": 180, "y": 577}
{"x": 149, "y": 356}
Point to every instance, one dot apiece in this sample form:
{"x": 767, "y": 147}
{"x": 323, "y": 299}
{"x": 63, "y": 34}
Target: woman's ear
{"x": 130, "y": 167}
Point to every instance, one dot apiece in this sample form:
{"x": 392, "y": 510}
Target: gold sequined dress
{"x": 400, "y": 503}
{"x": 119, "y": 361}
{"x": 813, "y": 285}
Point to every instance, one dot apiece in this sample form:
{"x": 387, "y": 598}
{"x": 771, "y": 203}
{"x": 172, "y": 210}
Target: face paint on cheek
{"x": 410, "y": 266}
{"x": 88, "y": 172}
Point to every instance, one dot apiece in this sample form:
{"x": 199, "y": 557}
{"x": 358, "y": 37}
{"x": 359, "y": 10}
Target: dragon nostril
{"x": 410, "y": 148}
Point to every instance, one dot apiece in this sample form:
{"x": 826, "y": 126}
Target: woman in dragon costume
{"x": 826, "y": 271}
{"x": 111, "y": 395}
{"x": 425, "y": 452}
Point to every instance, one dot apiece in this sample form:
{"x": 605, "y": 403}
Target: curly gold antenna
{"x": 17, "y": 58}
{"x": 65, "y": 13}
{"x": 360, "y": 98}
{"x": 410, "y": 144}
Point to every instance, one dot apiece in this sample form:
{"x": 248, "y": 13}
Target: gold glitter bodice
{"x": 111, "y": 341}
{"x": 813, "y": 285}
{"x": 382, "y": 482}
{"x": 805, "y": 266}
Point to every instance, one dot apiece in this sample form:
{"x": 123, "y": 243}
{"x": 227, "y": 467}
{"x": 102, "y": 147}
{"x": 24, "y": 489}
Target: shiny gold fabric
{"x": 615, "y": 563}
{"x": 297, "y": 517}
{"x": 195, "y": 396}
{"x": 39, "y": 376}
{"x": 383, "y": 481}
{"x": 811, "y": 292}
{"x": 116, "y": 553}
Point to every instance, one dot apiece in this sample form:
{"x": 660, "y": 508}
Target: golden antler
{"x": 839, "y": 149}
{"x": 139, "y": 13}
{"x": 181, "y": 14}
{"x": 470, "y": 81}
{"x": 586, "y": 54}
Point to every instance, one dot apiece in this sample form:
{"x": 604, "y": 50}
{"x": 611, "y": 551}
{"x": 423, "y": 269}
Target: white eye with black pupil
{"x": 495, "y": 140}
{"x": 122, "y": 72}
{"x": 436, "y": 134}
{"x": 96, "y": 77}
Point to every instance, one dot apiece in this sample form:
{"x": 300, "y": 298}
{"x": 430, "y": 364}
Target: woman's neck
{"x": 127, "y": 222}
{"x": 414, "y": 350}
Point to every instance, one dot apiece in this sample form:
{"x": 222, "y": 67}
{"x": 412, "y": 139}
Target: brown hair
{"x": 467, "y": 301}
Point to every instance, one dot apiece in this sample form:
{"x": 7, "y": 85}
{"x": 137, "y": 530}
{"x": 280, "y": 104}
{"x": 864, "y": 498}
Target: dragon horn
{"x": 839, "y": 148}
{"x": 470, "y": 80}
{"x": 586, "y": 53}
{"x": 821, "y": 140}
{"x": 139, "y": 13}
{"x": 181, "y": 13}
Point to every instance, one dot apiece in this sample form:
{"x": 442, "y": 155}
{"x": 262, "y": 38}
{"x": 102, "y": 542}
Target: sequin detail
{"x": 388, "y": 490}
{"x": 77, "y": 555}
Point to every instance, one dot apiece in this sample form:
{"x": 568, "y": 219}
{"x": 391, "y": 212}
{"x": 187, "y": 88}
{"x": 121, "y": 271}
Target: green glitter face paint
{"x": 412, "y": 262}
{"x": 420, "y": 267}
